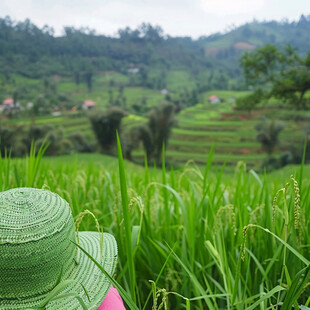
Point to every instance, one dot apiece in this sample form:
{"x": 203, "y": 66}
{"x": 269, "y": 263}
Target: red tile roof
{"x": 89, "y": 103}
{"x": 213, "y": 97}
{"x": 8, "y": 101}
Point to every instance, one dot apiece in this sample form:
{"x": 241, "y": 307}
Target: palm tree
{"x": 157, "y": 130}
{"x": 105, "y": 124}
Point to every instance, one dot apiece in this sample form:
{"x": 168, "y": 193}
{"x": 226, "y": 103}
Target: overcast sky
{"x": 177, "y": 17}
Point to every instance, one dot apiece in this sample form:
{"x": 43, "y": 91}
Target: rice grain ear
{"x": 79, "y": 220}
{"x": 77, "y": 226}
{"x": 245, "y": 230}
{"x": 229, "y": 210}
{"x": 296, "y": 202}
{"x": 275, "y": 200}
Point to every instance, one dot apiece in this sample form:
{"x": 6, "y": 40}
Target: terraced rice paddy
{"x": 198, "y": 128}
{"x": 231, "y": 132}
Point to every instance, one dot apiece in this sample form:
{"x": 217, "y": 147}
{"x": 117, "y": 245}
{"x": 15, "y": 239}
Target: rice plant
{"x": 191, "y": 238}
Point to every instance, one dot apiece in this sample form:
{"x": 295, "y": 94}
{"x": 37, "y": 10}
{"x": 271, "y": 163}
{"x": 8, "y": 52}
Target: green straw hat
{"x": 39, "y": 261}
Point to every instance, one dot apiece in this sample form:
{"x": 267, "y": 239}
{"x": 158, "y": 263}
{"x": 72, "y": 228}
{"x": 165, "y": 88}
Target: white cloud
{"x": 231, "y": 7}
{"x": 177, "y": 17}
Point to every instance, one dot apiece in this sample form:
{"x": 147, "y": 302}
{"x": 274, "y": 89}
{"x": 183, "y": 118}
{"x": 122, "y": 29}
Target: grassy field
{"x": 191, "y": 238}
{"x": 198, "y": 128}
{"x": 102, "y": 85}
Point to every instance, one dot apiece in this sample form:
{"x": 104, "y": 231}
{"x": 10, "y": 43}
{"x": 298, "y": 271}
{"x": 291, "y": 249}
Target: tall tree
{"x": 294, "y": 84}
{"x": 249, "y": 102}
{"x": 282, "y": 74}
{"x": 105, "y": 124}
{"x": 88, "y": 75}
{"x": 157, "y": 130}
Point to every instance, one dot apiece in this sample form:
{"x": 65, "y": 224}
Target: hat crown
{"x": 36, "y": 229}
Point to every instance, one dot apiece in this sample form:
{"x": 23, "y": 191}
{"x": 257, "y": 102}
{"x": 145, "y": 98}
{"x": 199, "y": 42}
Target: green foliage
{"x": 127, "y": 222}
{"x": 105, "y": 124}
{"x": 185, "y": 230}
{"x": 268, "y": 134}
{"x": 20, "y": 140}
{"x": 40, "y": 105}
{"x": 157, "y": 131}
{"x": 299, "y": 282}
{"x": 199, "y": 127}
{"x": 46, "y": 134}
{"x": 282, "y": 74}
{"x": 260, "y": 66}
{"x": 249, "y": 102}
{"x": 88, "y": 75}
{"x": 80, "y": 143}
{"x": 27, "y": 50}
{"x": 80, "y": 52}
{"x": 7, "y": 139}
{"x": 293, "y": 86}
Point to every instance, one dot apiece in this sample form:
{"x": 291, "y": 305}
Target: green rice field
{"x": 191, "y": 238}
{"x": 197, "y": 129}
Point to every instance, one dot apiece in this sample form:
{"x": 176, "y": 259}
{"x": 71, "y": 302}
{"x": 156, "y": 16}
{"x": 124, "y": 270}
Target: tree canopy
{"x": 36, "y": 52}
{"x": 282, "y": 74}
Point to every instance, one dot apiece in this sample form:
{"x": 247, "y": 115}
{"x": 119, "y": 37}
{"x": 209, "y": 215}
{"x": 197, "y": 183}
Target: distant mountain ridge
{"x": 28, "y": 50}
{"x": 256, "y": 34}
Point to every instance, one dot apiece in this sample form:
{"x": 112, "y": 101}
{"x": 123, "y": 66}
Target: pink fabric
{"x": 112, "y": 301}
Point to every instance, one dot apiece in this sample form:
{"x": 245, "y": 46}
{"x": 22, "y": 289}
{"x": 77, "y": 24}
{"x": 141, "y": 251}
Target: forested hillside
{"x": 257, "y": 34}
{"x": 212, "y": 61}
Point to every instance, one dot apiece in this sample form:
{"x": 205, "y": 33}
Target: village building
{"x": 56, "y": 113}
{"x": 214, "y": 99}
{"x": 29, "y": 105}
{"x": 133, "y": 70}
{"x": 9, "y": 106}
{"x": 88, "y": 105}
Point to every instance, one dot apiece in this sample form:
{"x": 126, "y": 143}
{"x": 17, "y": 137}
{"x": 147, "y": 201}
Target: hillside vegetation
{"x": 197, "y": 128}
{"x": 138, "y": 71}
{"x": 34, "y": 52}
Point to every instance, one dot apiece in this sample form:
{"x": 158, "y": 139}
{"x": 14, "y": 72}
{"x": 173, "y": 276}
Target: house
{"x": 133, "y": 70}
{"x": 29, "y": 105}
{"x": 8, "y": 105}
{"x": 164, "y": 91}
{"x": 56, "y": 113}
{"x": 214, "y": 99}
{"x": 88, "y": 104}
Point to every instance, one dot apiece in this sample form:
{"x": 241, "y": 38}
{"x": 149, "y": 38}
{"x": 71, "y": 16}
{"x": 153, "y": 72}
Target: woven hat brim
{"x": 86, "y": 275}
